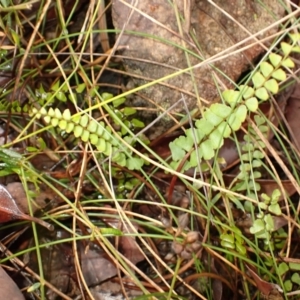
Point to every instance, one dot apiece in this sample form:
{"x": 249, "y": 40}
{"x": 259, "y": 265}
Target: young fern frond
{"x": 89, "y": 130}
{"x": 83, "y": 127}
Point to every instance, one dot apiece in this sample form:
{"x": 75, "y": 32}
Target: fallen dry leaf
{"x": 270, "y": 291}
{"x": 96, "y": 267}
{"x": 9, "y": 289}
{"x": 9, "y": 210}
{"x": 41, "y": 198}
{"x": 128, "y": 244}
{"x": 58, "y": 262}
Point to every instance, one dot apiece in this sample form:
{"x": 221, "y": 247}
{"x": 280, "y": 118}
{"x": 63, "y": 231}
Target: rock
{"x": 157, "y": 48}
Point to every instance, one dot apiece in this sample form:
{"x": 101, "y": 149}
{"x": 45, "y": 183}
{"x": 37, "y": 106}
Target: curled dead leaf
{"x": 270, "y": 291}
{"x": 10, "y": 211}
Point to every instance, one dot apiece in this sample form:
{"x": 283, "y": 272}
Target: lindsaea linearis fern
{"x": 218, "y": 121}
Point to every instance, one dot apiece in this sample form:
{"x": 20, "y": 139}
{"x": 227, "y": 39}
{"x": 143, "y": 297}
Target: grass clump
{"x": 177, "y": 217}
